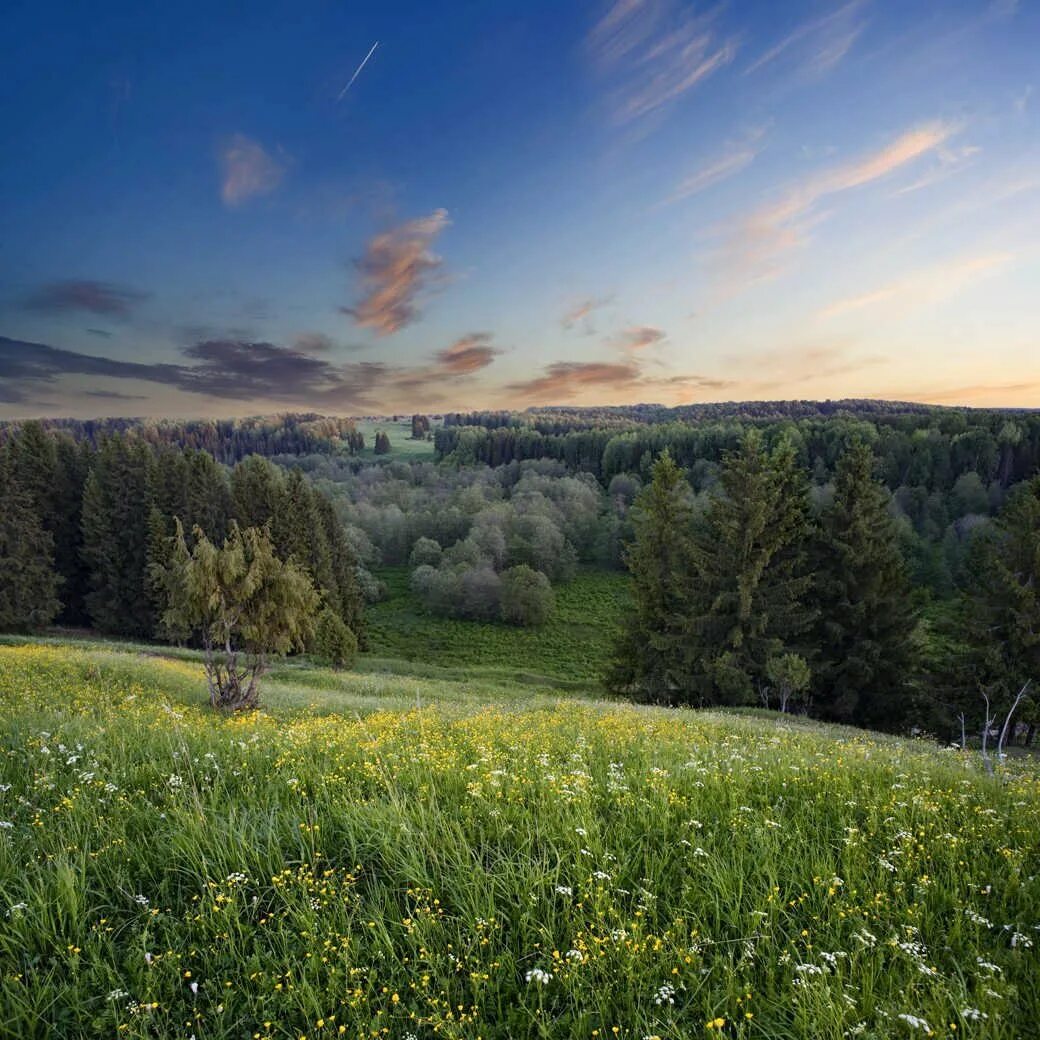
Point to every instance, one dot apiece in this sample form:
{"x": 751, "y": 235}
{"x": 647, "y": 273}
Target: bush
{"x": 527, "y": 596}
{"x": 425, "y": 551}
{"x": 333, "y": 642}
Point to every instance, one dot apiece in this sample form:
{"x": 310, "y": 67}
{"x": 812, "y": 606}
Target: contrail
{"x": 357, "y": 71}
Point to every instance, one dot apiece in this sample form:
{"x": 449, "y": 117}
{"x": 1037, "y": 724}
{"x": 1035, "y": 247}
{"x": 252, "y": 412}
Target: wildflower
{"x": 665, "y": 995}
{"x": 973, "y": 1015}
{"x": 575, "y": 955}
{"x": 543, "y": 978}
{"x": 564, "y": 890}
{"x": 6, "y": 825}
{"x": 141, "y": 900}
{"x": 914, "y": 1022}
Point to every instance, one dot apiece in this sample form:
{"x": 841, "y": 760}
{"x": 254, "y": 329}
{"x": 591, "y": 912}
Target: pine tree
{"x": 751, "y": 576}
{"x": 1000, "y": 613}
{"x": 865, "y": 630}
{"x": 649, "y": 657}
{"x": 117, "y": 506}
{"x": 209, "y": 495}
{"x": 344, "y": 591}
{"x": 28, "y": 581}
{"x": 257, "y": 492}
{"x": 73, "y": 464}
{"x": 382, "y": 444}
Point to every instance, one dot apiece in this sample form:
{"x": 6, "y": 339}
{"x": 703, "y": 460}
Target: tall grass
{"x": 560, "y": 870}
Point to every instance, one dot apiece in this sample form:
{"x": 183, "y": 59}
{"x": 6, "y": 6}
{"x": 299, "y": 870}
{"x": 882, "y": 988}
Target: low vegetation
{"x": 518, "y": 867}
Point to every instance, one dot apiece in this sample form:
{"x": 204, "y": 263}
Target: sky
{"x": 364, "y": 208}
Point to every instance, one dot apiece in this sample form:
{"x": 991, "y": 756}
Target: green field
{"x": 401, "y": 443}
{"x": 393, "y": 856}
{"x": 569, "y": 651}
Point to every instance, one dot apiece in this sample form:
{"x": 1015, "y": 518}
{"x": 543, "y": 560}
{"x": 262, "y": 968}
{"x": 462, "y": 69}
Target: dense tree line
{"x": 85, "y": 530}
{"x": 754, "y": 595}
{"x": 227, "y": 440}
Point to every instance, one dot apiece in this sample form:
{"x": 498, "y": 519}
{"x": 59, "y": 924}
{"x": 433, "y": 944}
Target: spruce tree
{"x": 73, "y": 464}
{"x": 750, "y": 574}
{"x": 1000, "y": 612}
{"x": 257, "y": 492}
{"x": 28, "y": 581}
{"x": 117, "y": 507}
{"x": 865, "y": 631}
{"x": 649, "y": 657}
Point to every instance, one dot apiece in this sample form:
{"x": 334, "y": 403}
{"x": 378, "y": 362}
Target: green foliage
{"x": 425, "y": 551}
{"x": 650, "y": 654}
{"x": 865, "y": 631}
{"x": 790, "y": 676}
{"x": 1000, "y": 612}
{"x": 28, "y": 581}
{"x": 333, "y": 643}
{"x": 750, "y": 578}
{"x": 570, "y": 649}
{"x": 117, "y": 503}
{"x": 244, "y": 602}
{"x": 527, "y": 596}
{"x": 382, "y": 444}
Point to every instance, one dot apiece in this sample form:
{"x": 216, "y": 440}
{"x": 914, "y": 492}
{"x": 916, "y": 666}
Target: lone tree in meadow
{"x": 382, "y": 445}
{"x": 245, "y": 603}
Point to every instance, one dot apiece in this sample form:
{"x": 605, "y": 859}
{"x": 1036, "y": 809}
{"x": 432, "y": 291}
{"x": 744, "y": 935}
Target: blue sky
{"x": 638, "y": 200}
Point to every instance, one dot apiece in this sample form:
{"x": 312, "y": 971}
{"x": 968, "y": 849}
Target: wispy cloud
{"x": 949, "y": 162}
{"x": 923, "y": 287}
{"x": 105, "y": 298}
{"x": 582, "y": 313}
{"x": 640, "y": 337}
{"x": 397, "y": 266}
{"x": 469, "y": 354}
{"x": 765, "y": 236}
{"x": 247, "y": 170}
{"x": 563, "y": 380}
{"x": 609, "y": 381}
{"x": 793, "y": 364}
{"x": 819, "y": 45}
{"x": 735, "y": 156}
{"x": 655, "y": 51}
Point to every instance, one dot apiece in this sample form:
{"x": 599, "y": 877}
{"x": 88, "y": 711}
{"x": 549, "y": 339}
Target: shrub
{"x": 425, "y": 551}
{"x": 333, "y": 642}
{"x": 527, "y": 596}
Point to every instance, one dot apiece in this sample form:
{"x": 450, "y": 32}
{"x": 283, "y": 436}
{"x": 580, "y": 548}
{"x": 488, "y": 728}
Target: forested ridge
{"x": 227, "y": 440}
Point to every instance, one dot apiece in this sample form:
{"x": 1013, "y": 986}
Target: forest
{"x": 897, "y": 629}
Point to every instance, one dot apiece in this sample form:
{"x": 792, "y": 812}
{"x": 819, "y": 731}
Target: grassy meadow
{"x": 407, "y": 857}
{"x": 568, "y": 651}
{"x": 401, "y": 444}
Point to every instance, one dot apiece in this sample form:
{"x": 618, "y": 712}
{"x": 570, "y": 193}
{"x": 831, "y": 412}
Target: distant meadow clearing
{"x": 477, "y": 863}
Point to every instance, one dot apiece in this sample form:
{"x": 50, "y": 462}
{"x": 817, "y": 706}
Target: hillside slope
{"x": 395, "y": 856}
